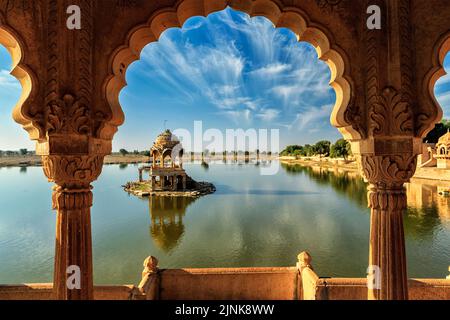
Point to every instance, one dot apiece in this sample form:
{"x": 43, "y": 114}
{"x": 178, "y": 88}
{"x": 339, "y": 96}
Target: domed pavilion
{"x": 443, "y": 151}
{"x": 166, "y": 172}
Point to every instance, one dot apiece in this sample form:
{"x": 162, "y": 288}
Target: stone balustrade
{"x": 284, "y": 283}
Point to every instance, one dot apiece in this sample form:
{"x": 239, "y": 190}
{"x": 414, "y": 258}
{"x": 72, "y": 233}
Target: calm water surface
{"x": 251, "y": 220}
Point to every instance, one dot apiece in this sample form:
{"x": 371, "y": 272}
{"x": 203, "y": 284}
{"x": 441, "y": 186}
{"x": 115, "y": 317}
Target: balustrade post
{"x": 149, "y": 285}
{"x": 308, "y": 277}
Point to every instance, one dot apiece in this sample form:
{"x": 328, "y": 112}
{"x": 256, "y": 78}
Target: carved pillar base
{"x": 387, "y": 257}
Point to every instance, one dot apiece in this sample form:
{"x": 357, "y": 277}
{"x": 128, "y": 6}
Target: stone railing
{"x": 44, "y": 291}
{"x": 288, "y": 283}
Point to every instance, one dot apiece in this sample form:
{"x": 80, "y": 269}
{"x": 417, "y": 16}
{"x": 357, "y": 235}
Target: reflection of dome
{"x": 167, "y": 235}
{"x": 167, "y": 214}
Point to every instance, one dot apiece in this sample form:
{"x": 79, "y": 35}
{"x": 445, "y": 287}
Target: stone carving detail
{"x": 71, "y": 199}
{"x": 390, "y": 114}
{"x": 126, "y": 3}
{"x": 68, "y": 115}
{"x": 353, "y": 116}
{"x": 22, "y": 5}
{"x": 85, "y": 79}
{"x": 387, "y": 175}
{"x": 389, "y": 170}
{"x": 52, "y": 51}
{"x": 328, "y": 3}
{"x": 407, "y": 56}
{"x": 72, "y": 172}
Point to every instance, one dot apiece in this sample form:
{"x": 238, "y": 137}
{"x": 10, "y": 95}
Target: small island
{"x": 167, "y": 176}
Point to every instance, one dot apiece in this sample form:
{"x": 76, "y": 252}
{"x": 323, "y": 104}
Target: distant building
{"x": 443, "y": 152}
{"x": 166, "y": 174}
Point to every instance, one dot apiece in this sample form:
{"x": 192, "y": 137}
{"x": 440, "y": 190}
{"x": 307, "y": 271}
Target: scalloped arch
{"x": 11, "y": 41}
{"x": 439, "y": 53}
{"x": 290, "y": 17}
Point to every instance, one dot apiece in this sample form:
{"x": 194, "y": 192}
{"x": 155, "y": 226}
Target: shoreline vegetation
{"x": 348, "y": 164}
{"x": 32, "y": 160}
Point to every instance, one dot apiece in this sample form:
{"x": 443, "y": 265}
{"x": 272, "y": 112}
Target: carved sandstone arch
{"x": 437, "y": 71}
{"x": 290, "y": 17}
{"x": 27, "y": 79}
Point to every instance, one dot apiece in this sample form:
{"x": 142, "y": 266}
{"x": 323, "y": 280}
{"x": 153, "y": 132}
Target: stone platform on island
{"x": 143, "y": 189}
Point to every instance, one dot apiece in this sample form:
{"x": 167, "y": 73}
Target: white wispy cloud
{"x": 268, "y": 114}
{"x": 272, "y": 70}
{"x": 238, "y": 116}
{"x": 311, "y": 117}
{"x": 8, "y": 81}
{"x": 242, "y": 66}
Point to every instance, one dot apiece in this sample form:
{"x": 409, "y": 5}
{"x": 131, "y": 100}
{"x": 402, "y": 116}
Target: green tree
{"x": 322, "y": 148}
{"x": 290, "y": 150}
{"x": 308, "y": 150}
{"x": 123, "y": 152}
{"x": 341, "y": 149}
{"x": 23, "y": 152}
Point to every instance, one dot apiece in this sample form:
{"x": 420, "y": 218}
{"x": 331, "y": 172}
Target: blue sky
{"x": 229, "y": 71}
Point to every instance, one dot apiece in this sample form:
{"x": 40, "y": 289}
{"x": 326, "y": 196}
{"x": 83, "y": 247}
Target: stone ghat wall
{"x": 43, "y": 291}
{"x": 356, "y": 289}
{"x": 237, "y": 284}
{"x": 229, "y": 284}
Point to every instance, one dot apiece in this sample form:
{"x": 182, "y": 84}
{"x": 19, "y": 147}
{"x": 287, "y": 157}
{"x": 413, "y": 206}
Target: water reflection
{"x": 347, "y": 183}
{"x": 428, "y": 211}
{"x": 167, "y": 214}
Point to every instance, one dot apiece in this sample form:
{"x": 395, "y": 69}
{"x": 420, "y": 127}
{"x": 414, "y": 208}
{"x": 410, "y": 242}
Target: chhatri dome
{"x": 442, "y": 151}
{"x": 166, "y": 140}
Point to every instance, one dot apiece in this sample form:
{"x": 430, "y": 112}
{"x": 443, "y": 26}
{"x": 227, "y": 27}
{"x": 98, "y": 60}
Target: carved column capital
{"x": 72, "y": 171}
{"x": 387, "y": 175}
{"x": 388, "y": 171}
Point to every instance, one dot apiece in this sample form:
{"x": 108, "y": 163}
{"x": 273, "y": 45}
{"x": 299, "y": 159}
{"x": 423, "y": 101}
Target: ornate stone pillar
{"x": 387, "y": 199}
{"x": 72, "y": 200}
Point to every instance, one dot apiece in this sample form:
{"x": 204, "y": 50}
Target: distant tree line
{"x": 323, "y": 148}
{"x": 125, "y": 152}
{"x": 14, "y": 153}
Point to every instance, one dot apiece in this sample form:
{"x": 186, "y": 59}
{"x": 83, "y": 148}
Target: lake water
{"x": 252, "y": 220}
